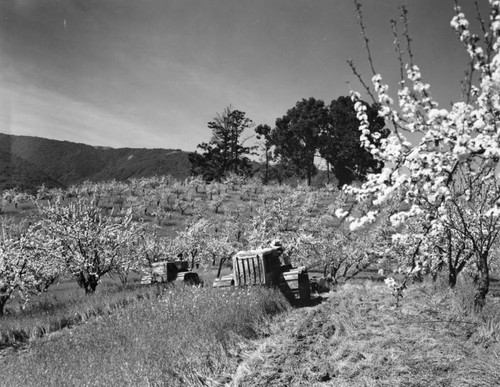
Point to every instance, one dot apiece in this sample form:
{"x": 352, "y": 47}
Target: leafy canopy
{"x": 225, "y": 152}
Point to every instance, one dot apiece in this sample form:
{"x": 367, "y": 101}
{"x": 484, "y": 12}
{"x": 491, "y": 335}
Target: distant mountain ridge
{"x": 27, "y": 162}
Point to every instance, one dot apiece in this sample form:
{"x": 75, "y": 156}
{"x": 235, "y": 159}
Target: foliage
{"x": 27, "y": 264}
{"x": 89, "y": 240}
{"x": 311, "y": 129}
{"x": 446, "y": 145}
{"x": 191, "y": 241}
{"x": 297, "y": 134}
{"x": 221, "y": 219}
{"x": 28, "y": 162}
{"x": 263, "y": 132}
{"x": 226, "y": 151}
{"x": 340, "y": 145}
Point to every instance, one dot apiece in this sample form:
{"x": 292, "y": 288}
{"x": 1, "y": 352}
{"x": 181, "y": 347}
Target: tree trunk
{"x": 452, "y": 278}
{"x": 452, "y": 275}
{"x": 88, "y": 282}
{"x": 266, "y": 176}
{"x": 92, "y": 283}
{"x": 3, "y": 301}
{"x": 194, "y": 253}
{"x": 483, "y": 282}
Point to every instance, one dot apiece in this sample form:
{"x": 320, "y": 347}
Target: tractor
{"x": 173, "y": 271}
{"x": 263, "y": 267}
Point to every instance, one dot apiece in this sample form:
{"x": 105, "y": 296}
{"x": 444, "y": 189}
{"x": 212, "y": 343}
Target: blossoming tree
{"x": 427, "y": 167}
{"x": 91, "y": 241}
{"x": 27, "y": 266}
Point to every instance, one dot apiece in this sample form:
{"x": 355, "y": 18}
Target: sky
{"x": 152, "y": 73}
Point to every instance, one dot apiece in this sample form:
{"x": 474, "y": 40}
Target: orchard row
{"x": 94, "y": 229}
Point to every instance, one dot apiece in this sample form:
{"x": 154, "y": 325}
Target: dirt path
{"x": 295, "y": 341}
{"x": 358, "y": 338}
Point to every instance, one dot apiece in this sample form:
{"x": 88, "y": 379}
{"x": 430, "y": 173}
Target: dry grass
{"x": 215, "y": 337}
{"x": 359, "y": 338}
{"x": 67, "y": 308}
{"x": 186, "y": 337}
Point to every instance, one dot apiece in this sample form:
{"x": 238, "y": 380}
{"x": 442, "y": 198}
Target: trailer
{"x": 263, "y": 267}
{"x": 171, "y": 272}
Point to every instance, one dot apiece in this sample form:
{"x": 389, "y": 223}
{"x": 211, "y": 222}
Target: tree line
{"x": 308, "y": 131}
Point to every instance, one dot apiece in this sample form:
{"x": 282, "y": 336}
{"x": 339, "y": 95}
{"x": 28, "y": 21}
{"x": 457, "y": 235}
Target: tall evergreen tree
{"x": 264, "y": 132}
{"x": 226, "y": 151}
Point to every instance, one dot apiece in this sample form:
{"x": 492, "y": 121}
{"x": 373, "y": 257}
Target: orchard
{"x": 446, "y": 173}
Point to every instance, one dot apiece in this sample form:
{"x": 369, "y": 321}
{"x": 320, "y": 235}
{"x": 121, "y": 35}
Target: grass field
{"x": 185, "y": 336}
{"x": 182, "y": 336}
{"x": 359, "y": 338}
{"x": 66, "y": 305}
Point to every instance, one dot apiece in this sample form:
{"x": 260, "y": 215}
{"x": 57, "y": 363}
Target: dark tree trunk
{"x": 333, "y": 274}
{"x": 88, "y": 282}
{"x": 3, "y": 301}
{"x": 92, "y": 284}
{"x": 194, "y": 253}
{"x": 266, "y": 176}
{"x": 483, "y": 282}
{"x": 452, "y": 278}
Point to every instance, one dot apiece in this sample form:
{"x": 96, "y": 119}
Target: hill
{"x": 27, "y": 162}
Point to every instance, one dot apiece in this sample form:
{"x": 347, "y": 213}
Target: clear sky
{"x": 152, "y": 73}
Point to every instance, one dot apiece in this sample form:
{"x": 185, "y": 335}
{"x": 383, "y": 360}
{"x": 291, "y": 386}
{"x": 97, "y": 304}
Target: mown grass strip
{"x": 359, "y": 338}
